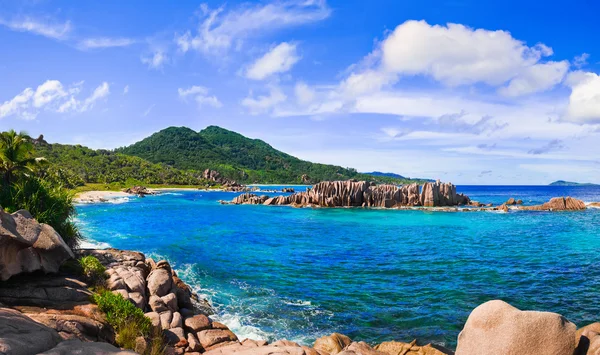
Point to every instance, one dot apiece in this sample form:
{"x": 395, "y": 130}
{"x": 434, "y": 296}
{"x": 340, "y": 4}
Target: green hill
{"x": 236, "y": 157}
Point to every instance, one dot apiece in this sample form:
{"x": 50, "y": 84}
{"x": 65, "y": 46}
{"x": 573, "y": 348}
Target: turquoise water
{"x": 282, "y": 272}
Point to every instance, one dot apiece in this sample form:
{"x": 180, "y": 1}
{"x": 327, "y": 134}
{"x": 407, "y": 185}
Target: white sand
{"x": 98, "y": 196}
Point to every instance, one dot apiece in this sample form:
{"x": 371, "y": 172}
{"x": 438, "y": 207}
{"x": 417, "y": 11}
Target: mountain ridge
{"x": 237, "y": 157}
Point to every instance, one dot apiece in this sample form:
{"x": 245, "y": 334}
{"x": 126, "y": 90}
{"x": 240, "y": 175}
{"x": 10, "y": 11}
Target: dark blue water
{"x": 282, "y": 272}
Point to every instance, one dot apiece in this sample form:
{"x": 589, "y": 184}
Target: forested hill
{"x": 236, "y": 157}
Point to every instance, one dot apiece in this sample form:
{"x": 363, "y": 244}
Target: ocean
{"x": 276, "y": 272}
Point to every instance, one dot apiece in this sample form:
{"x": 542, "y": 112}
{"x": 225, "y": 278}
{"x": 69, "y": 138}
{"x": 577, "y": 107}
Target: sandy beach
{"x": 98, "y": 196}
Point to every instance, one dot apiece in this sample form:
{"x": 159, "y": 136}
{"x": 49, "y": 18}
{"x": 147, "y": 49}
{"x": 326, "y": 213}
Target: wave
{"x": 92, "y": 244}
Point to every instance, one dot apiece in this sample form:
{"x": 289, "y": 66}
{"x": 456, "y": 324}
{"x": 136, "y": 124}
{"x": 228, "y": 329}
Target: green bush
{"x": 92, "y": 269}
{"x": 129, "y": 322}
{"x": 120, "y": 312}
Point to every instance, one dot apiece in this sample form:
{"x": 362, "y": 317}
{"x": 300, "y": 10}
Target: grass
{"x": 129, "y": 322}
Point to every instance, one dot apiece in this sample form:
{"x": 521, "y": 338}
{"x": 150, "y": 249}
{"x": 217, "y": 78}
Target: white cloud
{"x": 580, "y": 60}
{"x": 201, "y": 95}
{"x": 44, "y": 28}
{"x": 105, "y": 42}
{"x": 126, "y": 90}
{"x": 147, "y": 112}
{"x": 222, "y": 30}
{"x": 584, "y": 101}
{"x": 52, "y": 96}
{"x": 456, "y": 55}
{"x": 279, "y": 59}
{"x": 304, "y": 94}
{"x": 264, "y": 103}
{"x": 100, "y": 92}
{"x": 156, "y": 61}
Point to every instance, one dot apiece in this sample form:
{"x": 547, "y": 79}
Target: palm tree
{"x": 16, "y": 154}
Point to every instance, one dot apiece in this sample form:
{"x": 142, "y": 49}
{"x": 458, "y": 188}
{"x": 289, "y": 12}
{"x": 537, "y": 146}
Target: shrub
{"x": 92, "y": 269}
{"x": 129, "y": 322}
{"x": 119, "y": 312}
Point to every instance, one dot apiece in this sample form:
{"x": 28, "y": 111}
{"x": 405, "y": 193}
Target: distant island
{"x": 571, "y": 183}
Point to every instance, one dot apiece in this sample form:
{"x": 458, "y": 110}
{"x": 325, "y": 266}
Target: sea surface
{"x": 277, "y": 272}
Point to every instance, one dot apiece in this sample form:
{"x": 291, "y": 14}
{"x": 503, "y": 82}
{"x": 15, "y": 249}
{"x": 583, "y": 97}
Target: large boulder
{"x": 332, "y": 344}
{"x": 558, "y": 204}
{"x": 19, "y": 335}
{"x": 497, "y": 328}
{"x": 396, "y": 347}
{"x": 71, "y": 347}
{"x": 27, "y": 246}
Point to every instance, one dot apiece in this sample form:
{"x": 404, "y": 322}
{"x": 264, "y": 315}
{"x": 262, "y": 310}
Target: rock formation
{"x": 353, "y": 193}
{"x": 227, "y": 184}
{"x": 497, "y": 328}
{"x": 558, "y": 204}
{"x": 511, "y": 201}
{"x": 28, "y": 246}
{"x": 141, "y": 191}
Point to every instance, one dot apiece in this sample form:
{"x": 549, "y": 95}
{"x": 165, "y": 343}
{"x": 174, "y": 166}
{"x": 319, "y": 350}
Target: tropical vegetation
{"x": 238, "y": 158}
{"x": 25, "y": 185}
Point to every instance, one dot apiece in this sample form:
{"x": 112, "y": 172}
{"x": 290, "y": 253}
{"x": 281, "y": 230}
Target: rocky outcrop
{"x": 28, "y": 246}
{"x": 21, "y": 335}
{"x": 511, "y": 201}
{"x": 497, "y": 328}
{"x": 396, "y": 347}
{"x": 353, "y": 193}
{"x": 558, "y": 204}
{"x": 141, "y": 191}
{"x": 227, "y": 184}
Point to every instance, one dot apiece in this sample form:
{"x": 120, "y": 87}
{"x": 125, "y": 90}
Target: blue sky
{"x": 465, "y": 91}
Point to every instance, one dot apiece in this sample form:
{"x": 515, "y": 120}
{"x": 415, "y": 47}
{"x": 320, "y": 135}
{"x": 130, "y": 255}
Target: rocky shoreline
{"x": 47, "y": 308}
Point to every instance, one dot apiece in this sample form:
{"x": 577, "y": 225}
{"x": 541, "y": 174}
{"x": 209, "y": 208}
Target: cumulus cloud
{"x": 200, "y": 94}
{"x": 52, "y": 96}
{"x": 584, "y": 101}
{"x": 105, "y": 42}
{"x": 46, "y": 28}
{"x": 264, "y": 103}
{"x": 155, "y": 61}
{"x": 279, "y": 59}
{"x": 222, "y": 30}
{"x": 456, "y": 55}
{"x": 304, "y": 94}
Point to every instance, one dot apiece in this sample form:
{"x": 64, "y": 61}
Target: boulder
{"x": 27, "y": 246}
{"x": 360, "y": 348}
{"x": 212, "y": 337}
{"x": 197, "y": 323}
{"x": 332, "y": 344}
{"x": 20, "y": 335}
{"x": 154, "y": 318}
{"x": 396, "y": 347}
{"x": 170, "y": 301}
{"x": 497, "y": 328}
{"x": 71, "y": 347}
{"x": 558, "y": 204}
{"x": 588, "y": 340}
{"x": 160, "y": 282}
{"x": 176, "y": 321}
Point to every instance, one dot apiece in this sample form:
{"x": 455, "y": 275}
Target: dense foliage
{"x": 23, "y": 187}
{"x": 236, "y": 157}
{"x": 75, "y": 165}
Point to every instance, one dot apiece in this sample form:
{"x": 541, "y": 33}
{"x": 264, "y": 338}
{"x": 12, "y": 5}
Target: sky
{"x": 471, "y": 92}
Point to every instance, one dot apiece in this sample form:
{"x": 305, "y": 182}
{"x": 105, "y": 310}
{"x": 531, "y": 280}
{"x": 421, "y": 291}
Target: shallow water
{"x": 282, "y": 272}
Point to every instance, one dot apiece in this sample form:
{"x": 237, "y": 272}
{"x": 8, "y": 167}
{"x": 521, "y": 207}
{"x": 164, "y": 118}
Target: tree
{"x": 16, "y": 155}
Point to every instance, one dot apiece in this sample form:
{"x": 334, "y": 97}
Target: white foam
{"x": 92, "y": 244}
{"x": 233, "y": 322}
